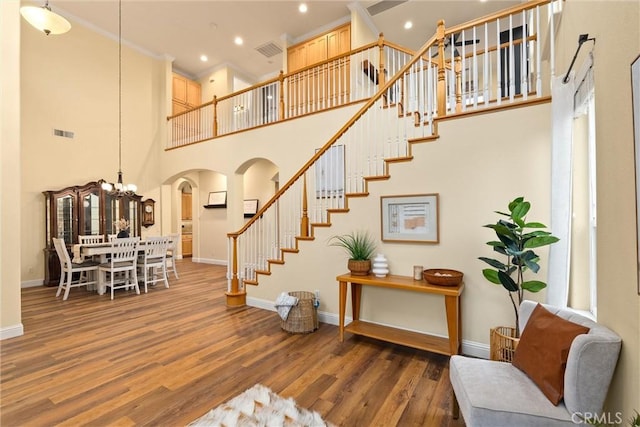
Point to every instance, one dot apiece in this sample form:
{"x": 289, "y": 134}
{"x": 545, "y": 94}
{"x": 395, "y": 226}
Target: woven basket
{"x": 503, "y": 343}
{"x": 303, "y": 317}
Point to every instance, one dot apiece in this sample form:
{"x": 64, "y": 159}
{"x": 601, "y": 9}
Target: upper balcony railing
{"x": 486, "y": 62}
{"x": 329, "y": 84}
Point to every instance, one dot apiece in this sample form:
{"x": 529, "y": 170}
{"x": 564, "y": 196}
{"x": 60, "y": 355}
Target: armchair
{"x": 492, "y": 393}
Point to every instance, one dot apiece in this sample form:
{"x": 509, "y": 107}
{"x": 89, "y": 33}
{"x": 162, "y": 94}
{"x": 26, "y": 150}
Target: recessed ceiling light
{"x": 408, "y": 25}
{"x": 238, "y": 40}
{"x": 204, "y": 58}
{"x": 302, "y": 8}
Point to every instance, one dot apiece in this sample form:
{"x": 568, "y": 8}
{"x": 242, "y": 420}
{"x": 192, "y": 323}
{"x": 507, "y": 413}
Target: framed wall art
{"x": 250, "y": 207}
{"x": 411, "y": 218}
{"x": 217, "y": 199}
{"x": 329, "y": 174}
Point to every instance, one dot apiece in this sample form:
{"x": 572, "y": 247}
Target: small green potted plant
{"x": 360, "y": 246}
{"x": 516, "y": 244}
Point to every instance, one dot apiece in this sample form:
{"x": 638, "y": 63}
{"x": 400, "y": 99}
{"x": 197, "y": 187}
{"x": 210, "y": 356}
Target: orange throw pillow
{"x": 543, "y": 350}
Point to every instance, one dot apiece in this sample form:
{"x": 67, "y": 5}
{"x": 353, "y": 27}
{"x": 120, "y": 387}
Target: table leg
{"x": 343, "y": 304}
{"x": 452, "y": 306}
{"x": 356, "y": 294}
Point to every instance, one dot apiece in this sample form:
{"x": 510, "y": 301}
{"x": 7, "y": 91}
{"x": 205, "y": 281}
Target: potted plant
{"x": 516, "y": 243}
{"x": 360, "y": 246}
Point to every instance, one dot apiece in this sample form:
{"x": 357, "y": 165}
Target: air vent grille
{"x": 269, "y": 49}
{"x": 63, "y": 133}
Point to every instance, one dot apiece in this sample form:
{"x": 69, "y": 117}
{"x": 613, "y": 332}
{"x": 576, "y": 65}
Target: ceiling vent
{"x": 269, "y": 49}
{"x": 384, "y": 5}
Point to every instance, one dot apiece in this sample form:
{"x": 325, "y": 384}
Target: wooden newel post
{"x": 281, "y": 112}
{"x": 215, "y": 115}
{"x": 304, "y": 221}
{"x": 441, "y": 88}
{"x": 235, "y": 296}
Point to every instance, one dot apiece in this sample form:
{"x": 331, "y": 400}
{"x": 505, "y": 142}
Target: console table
{"x": 447, "y": 346}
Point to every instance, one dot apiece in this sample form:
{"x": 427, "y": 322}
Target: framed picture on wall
{"x": 250, "y": 207}
{"x": 217, "y": 199}
{"x": 411, "y": 218}
{"x": 635, "y": 96}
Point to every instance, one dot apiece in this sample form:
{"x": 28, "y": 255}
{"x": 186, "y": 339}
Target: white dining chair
{"x": 172, "y": 254}
{"x": 153, "y": 261}
{"x": 68, "y": 268}
{"x": 88, "y": 239}
{"x": 112, "y": 237}
{"x": 124, "y": 261}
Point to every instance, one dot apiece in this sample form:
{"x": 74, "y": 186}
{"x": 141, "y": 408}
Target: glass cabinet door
{"x": 133, "y": 217}
{"x": 90, "y": 213}
{"x": 112, "y": 213}
{"x": 64, "y": 218}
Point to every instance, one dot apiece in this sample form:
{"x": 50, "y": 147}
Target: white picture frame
{"x": 217, "y": 199}
{"x": 411, "y": 218}
{"x": 329, "y": 173}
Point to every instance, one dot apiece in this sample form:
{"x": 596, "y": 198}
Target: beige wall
{"x": 616, "y": 26}
{"x": 10, "y": 211}
{"x": 70, "y": 82}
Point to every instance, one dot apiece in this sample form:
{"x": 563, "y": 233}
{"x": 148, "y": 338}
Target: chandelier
{"x": 44, "y": 19}
{"x": 119, "y": 189}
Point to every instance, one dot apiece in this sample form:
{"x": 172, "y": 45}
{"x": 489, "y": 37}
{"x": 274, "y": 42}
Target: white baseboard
{"x": 469, "y": 348}
{"x": 210, "y": 261}
{"x": 32, "y": 283}
{"x": 11, "y": 331}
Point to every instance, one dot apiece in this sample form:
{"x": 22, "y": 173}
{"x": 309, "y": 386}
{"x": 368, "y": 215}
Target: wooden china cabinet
{"x": 83, "y": 210}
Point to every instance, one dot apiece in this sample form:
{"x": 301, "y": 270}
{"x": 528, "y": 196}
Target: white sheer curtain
{"x": 561, "y": 164}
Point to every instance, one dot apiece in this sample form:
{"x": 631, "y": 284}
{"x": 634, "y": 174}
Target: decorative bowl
{"x": 443, "y": 276}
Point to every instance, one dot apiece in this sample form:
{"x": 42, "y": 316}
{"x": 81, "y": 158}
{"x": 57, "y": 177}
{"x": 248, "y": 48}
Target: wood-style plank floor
{"x": 167, "y": 357}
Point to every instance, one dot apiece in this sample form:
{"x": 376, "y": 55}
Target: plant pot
{"x": 359, "y": 267}
{"x": 503, "y": 343}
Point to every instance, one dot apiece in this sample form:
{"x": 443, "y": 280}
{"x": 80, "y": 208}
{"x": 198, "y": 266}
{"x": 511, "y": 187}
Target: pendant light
{"x": 119, "y": 189}
{"x": 44, "y": 19}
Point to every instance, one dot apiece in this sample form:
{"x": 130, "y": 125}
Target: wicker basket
{"x": 302, "y": 317}
{"x": 503, "y": 343}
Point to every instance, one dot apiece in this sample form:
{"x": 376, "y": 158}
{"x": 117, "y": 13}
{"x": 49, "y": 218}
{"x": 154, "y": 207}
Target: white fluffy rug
{"x": 259, "y": 406}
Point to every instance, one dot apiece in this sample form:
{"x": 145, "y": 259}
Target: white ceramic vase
{"x": 380, "y": 266}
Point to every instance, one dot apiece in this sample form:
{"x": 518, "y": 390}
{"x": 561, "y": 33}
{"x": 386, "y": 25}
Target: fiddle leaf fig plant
{"x": 516, "y": 243}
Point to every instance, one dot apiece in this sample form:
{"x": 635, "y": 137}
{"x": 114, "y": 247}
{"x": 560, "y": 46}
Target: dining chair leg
{"x": 111, "y": 284}
{"x": 66, "y": 291}
{"x": 60, "y": 285}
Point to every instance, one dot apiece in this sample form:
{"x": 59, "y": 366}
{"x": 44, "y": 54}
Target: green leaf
{"x": 515, "y": 202}
{"x": 494, "y": 263}
{"x": 502, "y": 213}
{"x": 535, "y": 225}
{"x": 519, "y": 221}
{"x": 506, "y": 281}
{"x": 491, "y": 275}
{"x": 537, "y": 242}
{"x": 520, "y": 210}
{"x": 533, "y": 285}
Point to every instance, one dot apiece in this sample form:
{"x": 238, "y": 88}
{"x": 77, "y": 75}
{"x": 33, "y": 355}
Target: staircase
{"x": 499, "y": 69}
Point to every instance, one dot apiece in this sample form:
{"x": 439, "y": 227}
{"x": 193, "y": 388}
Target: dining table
{"x": 82, "y": 251}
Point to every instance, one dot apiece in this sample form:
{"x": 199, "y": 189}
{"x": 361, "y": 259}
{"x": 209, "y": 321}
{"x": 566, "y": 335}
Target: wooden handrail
{"x": 496, "y": 15}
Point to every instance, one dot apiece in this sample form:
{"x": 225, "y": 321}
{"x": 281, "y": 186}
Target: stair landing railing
{"x": 448, "y": 76}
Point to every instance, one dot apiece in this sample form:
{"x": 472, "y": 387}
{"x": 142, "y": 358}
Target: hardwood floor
{"x": 167, "y": 357}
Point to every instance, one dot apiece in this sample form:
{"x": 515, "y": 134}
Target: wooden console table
{"x": 398, "y": 336}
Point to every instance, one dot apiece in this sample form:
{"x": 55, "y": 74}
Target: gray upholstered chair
{"x": 495, "y": 394}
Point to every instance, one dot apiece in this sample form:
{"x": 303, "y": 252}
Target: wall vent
{"x": 384, "y": 5}
{"x": 269, "y": 49}
{"x": 63, "y": 133}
